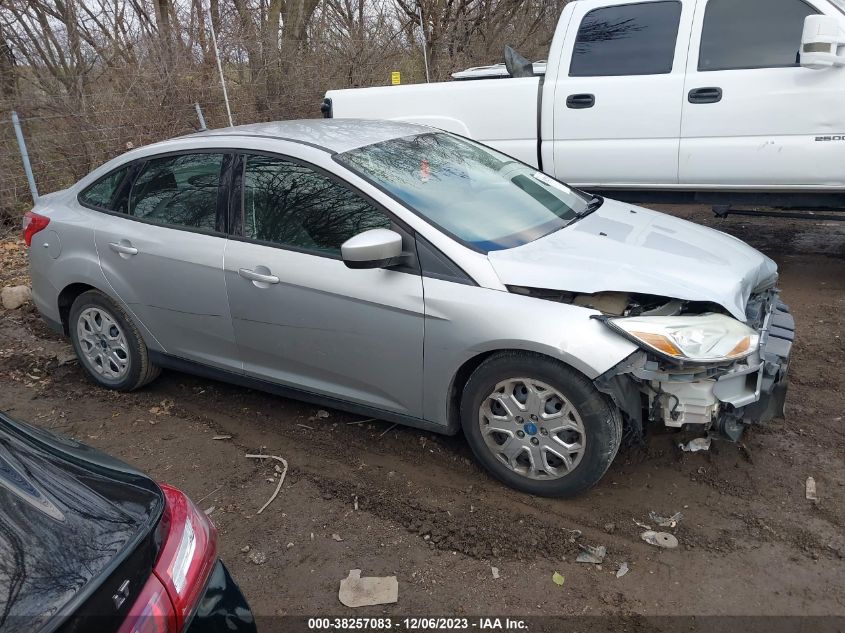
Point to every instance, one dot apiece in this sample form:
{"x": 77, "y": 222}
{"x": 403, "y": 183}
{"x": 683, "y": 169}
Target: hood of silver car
{"x": 625, "y": 248}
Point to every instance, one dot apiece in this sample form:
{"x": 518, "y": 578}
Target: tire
{"x": 578, "y": 415}
{"x": 130, "y": 367}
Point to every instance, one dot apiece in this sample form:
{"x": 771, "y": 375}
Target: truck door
{"x": 752, "y": 115}
{"x": 618, "y": 92}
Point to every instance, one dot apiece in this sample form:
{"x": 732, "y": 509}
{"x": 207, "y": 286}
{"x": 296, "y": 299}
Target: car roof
{"x": 332, "y": 135}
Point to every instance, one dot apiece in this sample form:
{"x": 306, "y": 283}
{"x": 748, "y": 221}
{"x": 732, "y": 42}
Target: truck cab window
{"x": 630, "y": 39}
{"x": 752, "y": 34}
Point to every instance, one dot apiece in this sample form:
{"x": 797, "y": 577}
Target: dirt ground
{"x": 750, "y": 542}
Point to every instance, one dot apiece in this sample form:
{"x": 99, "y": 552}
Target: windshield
{"x": 485, "y": 199}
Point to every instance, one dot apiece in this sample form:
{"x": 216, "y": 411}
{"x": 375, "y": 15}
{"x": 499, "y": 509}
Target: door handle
{"x": 246, "y": 273}
{"x": 579, "y": 102}
{"x": 705, "y": 95}
{"x": 123, "y": 249}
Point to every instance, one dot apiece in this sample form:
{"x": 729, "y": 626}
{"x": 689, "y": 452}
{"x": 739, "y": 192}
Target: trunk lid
{"x": 624, "y": 248}
{"x": 75, "y": 525}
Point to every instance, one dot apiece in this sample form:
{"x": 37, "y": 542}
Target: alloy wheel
{"x": 532, "y": 429}
{"x": 102, "y": 343}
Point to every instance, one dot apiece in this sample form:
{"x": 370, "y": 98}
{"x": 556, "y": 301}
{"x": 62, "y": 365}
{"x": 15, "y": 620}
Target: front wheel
{"x": 539, "y": 426}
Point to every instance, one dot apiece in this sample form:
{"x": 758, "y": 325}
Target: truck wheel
{"x": 107, "y": 343}
{"x": 539, "y": 426}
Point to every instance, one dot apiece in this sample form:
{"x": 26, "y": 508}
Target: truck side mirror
{"x": 516, "y": 64}
{"x": 822, "y": 42}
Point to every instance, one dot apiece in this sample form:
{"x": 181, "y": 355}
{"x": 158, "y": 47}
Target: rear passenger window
{"x": 752, "y": 34}
{"x": 102, "y": 193}
{"x": 630, "y": 39}
{"x": 178, "y": 191}
{"x": 293, "y": 205}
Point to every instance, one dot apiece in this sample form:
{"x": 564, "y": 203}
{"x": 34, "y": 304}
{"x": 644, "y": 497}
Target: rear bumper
{"x": 223, "y": 607}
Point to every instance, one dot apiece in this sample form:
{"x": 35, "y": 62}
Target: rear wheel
{"x": 108, "y": 344}
{"x": 538, "y": 425}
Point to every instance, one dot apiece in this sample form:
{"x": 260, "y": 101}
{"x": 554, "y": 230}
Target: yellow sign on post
{"x": 395, "y": 78}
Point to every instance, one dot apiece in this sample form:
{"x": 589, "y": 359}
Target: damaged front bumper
{"x": 725, "y": 398}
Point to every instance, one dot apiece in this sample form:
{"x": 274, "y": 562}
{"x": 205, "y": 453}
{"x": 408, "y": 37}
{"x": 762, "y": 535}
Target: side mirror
{"x": 376, "y": 248}
{"x": 822, "y": 42}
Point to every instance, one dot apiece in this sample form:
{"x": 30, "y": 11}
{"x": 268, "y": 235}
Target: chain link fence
{"x": 62, "y": 148}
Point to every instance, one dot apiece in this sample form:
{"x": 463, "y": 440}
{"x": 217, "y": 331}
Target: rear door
{"x": 617, "y": 99}
{"x": 162, "y": 252}
{"x": 752, "y": 115}
{"x": 301, "y": 317}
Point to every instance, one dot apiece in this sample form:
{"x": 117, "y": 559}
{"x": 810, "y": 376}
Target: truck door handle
{"x": 246, "y": 273}
{"x": 579, "y": 102}
{"x": 705, "y": 95}
{"x": 123, "y": 249}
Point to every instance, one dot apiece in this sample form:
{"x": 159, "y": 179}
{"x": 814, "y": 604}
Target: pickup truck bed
{"x": 472, "y": 112}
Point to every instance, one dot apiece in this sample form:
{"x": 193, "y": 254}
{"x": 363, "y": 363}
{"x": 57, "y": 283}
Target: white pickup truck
{"x": 720, "y": 101}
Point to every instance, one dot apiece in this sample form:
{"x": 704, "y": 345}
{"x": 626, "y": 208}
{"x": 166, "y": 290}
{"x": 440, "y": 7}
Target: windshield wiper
{"x": 594, "y": 203}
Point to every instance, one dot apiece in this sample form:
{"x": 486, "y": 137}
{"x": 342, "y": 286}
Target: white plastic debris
{"x": 660, "y": 539}
{"x": 811, "y": 489}
{"x": 669, "y": 522}
{"x": 594, "y": 555}
{"x": 495, "y": 571}
{"x": 363, "y": 592}
{"x": 623, "y": 569}
{"x": 696, "y": 445}
{"x": 337, "y": 537}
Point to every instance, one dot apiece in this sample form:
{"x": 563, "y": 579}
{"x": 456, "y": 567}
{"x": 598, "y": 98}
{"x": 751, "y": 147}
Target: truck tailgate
{"x": 502, "y": 113}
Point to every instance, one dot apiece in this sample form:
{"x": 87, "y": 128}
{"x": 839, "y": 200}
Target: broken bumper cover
{"x": 725, "y": 398}
{"x": 776, "y": 341}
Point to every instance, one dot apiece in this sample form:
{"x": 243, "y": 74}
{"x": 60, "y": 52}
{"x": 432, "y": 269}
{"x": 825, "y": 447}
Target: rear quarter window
{"x": 103, "y": 193}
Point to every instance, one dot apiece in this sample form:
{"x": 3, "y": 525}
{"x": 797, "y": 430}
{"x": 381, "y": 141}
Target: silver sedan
{"x": 413, "y": 275}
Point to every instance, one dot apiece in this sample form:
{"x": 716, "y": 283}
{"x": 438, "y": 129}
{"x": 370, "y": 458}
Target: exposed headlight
{"x": 705, "y": 338}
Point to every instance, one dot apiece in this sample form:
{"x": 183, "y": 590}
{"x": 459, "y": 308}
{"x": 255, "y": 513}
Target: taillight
{"x": 32, "y": 223}
{"x": 152, "y": 611}
{"x": 185, "y": 561}
{"x": 188, "y": 552}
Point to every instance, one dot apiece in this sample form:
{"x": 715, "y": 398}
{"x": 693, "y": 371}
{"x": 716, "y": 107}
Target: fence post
{"x": 33, "y": 190}
{"x": 203, "y": 128}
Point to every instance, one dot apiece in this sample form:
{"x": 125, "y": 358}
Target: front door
{"x": 753, "y": 116}
{"x": 301, "y": 317}
{"x": 162, "y": 253}
{"x": 617, "y": 96}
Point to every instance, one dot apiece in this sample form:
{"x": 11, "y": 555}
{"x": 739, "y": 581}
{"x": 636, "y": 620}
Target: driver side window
{"x": 178, "y": 191}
